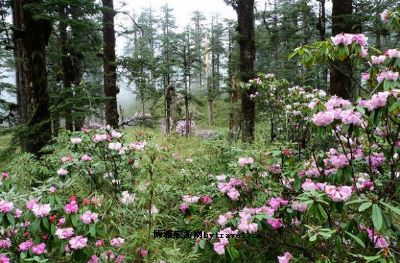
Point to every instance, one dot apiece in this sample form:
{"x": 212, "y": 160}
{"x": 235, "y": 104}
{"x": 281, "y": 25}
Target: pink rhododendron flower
{"x": 323, "y": 118}
{"x": 31, "y": 203}
{"x": 342, "y": 39}
{"x": 71, "y": 207}
{"x": 190, "y": 199}
{"x": 64, "y": 233}
{"x": 143, "y": 252}
{"x": 387, "y": 75}
{"x": 338, "y": 194}
{"x": 205, "y": 199}
{"x": 351, "y": 117}
{"x": 88, "y": 217}
{"x": 138, "y": 146}
{"x": 100, "y": 138}
{"x": 222, "y": 219}
{"x": 298, "y": 206}
{"x": 100, "y": 243}
{"x": 219, "y": 248}
{"x": 5, "y": 243}
{"x": 117, "y": 242}
{"x": 275, "y": 223}
{"x": 25, "y": 246}
{"x": 62, "y": 172}
{"x": 39, "y": 249}
{"x": 285, "y": 258}
{"x": 4, "y": 258}
{"x": 377, "y": 60}
{"x": 360, "y": 39}
{"x": 116, "y": 134}
{"x": 5, "y": 175}
{"x": 275, "y": 203}
{"x": 115, "y": 146}
{"x": 184, "y": 207}
{"x": 86, "y": 158}
{"x": 6, "y": 207}
{"x": 78, "y": 242}
{"x": 393, "y": 53}
{"x": 365, "y": 76}
{"x": 385, "y": 15}
{"x": 94, "y": 259}
{"x": 376, "y": 160}
{"x": 41, "y": 210}
{"x": 377, "y": 100}
{"x": 309, "y": 185}
{"x": 245, "y": 161}
{"x": 233, "y": 194}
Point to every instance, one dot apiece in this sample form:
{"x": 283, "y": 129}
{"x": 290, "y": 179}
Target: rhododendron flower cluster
{"x": 117, "y": 242}
{"x": 338, "y": 194}
{"x": 387, "y": 75}
{"x": 78, "y": 242}
{"x": 230, "y": 188}
{"x": 6, "y": 207}
{"x": 285, "y": 258}
{"x": 89, "y": 217}
{"x": 245, "y": 161}
{"x": 41, "y": 210}
{"x": 71, "y": 207}
{"x": 64, "y": 233}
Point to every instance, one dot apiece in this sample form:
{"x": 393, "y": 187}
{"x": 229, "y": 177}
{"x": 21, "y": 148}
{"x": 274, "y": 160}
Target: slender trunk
{"x": 245, "y": 13}
{"x": 110, "y": 67}
{"x": 340, "y": 80}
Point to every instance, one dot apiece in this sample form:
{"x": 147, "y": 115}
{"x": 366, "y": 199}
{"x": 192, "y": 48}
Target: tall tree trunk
{"x": 110, "y": 67}
{"x": 322, "y": 35}
{"x": 66, "y": 64}
{"x": 245, "y": 14}
{"x": 340, "y": 79}
{"x": 32, "y": 75}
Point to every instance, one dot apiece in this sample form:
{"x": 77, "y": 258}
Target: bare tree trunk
{"x": 32, "y": 75}
{"x": 245, "y": 13}
{"x": 110, "y": 67}
{"x": 340, "y": 79}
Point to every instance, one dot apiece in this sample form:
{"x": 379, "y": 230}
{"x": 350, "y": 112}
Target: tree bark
{"x": 110, "y": 67}
{"x": 340, "y": 73}
{"x": 245, "y": 14}
{"x": 32, "y": 75}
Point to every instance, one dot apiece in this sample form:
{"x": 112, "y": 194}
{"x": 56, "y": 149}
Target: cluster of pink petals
{"x": 393, "y": 53}
{"x": 190, "y": 199}
{"x": 89, "y": 217}
{"x": 117, "y": 242}
{"x": 379, "y": 241}
{"x": 337, "y": 102}
{"x": 275, "y": 223}
{"x": 86, "y": 158}
{"x": 376, "y": 160}
{"x": 385, "y": 15}
{"x": 5, "y": 243}
{"x": 26, "y": 245}
{"x": 365, "y": 76}
{"x": 363, "y": 182}
{"x": 275, "y": 168}
{"x": 223, "y": 219}
{"x": 64, "y": 233}
{"x": 276, "y": 202}
{"x": 337, "y": 160}
{"x": 115, "y": 146}
{"x": 243, "y": 161}
{"x": 387, "y": 75}
{"x": 285, "y": 258}
{"x": 348, "y": 39}
{"x": 338, "y": 193}
{"x": 230, "y": 188}
{"x": 100, "y": 138}
{"x": 245, "y": 224}
{"x": 351, "y": 117}
{"x": 41, "y": 210}
{"x": 138, "y": 146}
{"x": 377, "y": 101}
{"x": 71, "y": 207}
{"x": 323, "y": 118}
{"x": 39, "y": 249}
{"x": 62, "y": 172}
{"x": 206, "y": 199}
{"x": 309, "y": 185}
{"x": 78, "y": 242}
{"x": 219, "y": 246}
{"x": 4, "y": 258}
{"x": 299, "y": 206}
{"x": 377, "y": 60}
{"x": 116, "y": 134}
{"x": 6, "y": 207}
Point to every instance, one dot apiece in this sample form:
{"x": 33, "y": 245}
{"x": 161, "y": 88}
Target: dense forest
{"x": 269, "y": 136}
